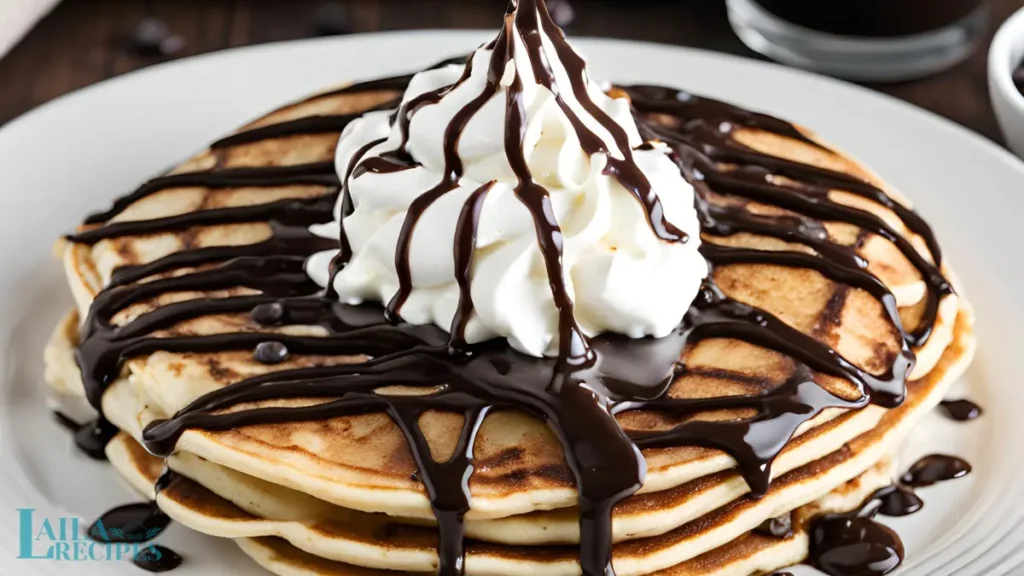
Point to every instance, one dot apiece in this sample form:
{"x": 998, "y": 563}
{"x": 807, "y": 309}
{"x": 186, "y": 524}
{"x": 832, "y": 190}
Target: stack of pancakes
{"x": 341, "y": 496}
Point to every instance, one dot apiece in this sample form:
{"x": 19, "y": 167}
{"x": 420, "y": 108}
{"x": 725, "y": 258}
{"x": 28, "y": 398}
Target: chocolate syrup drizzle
{"x": 580, "y": 392}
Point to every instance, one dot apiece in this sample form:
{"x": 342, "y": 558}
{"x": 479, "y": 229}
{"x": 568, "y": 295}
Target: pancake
{"x": 641, "y": 516}
{"x": 224, "y": 503}
{"x": 747, "y": 554}
{"x": 520, "y": 467}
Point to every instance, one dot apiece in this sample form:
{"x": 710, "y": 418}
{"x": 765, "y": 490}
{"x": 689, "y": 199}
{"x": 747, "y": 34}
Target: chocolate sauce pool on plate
{"x": 935, "y": 468}
{"x": 137, "y": 524}
{"x": 961, "y": 410}
{"x": 66, "y": 422}
{"x": 130, "y": 523}
{"x": 845, "y": 545}
{"x": 853, "y": 544}
{"x": 580, "y": 392}
{"x": 898, "y": 501}
{"x": 157, "y": 558}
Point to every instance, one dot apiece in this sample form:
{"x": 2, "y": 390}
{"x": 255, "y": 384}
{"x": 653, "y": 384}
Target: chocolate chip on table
{"x": 1018, "y": 77}
{"x": 562, "y": 12}
{"x": 153, "y": 37}
{"x": 332, "y": 18}
{"x": 270, "y": 352}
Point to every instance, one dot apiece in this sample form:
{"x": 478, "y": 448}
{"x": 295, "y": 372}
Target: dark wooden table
{"x": 85, "y": 41}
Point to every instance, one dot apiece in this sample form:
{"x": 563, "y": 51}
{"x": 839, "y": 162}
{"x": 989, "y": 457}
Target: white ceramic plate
{"x": 75, "y": 154}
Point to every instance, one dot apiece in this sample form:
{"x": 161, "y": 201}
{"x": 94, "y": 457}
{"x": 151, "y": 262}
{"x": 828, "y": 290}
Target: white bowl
{"x": 1004, "y": 57}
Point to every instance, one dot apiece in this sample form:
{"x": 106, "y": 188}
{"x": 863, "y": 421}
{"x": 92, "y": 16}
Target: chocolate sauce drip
{"x": 845, "y": 545}
{"x": 961, "y": 410}
{"x": 92, "y": 437}
{"x": 137, "y": 524}
{"x": 285, "y": 240}
{"x": 625, "y": 170}
{"x": 157, "y": 558}
{"x": 465, "y": 242}
{"x": 716, "y": 115}
{"x": 580, "y": 392}
{"x": 318, "y": 173}
{"x": 298, "y": 213}
{"x": 572, "y": 344}
{"x": 854, "y": 276}
{"x": 66, "y": 421}
{"x": 344, "y": 246}
{"x": 853, "y": 544}
{"x": 898, "y": 501}
{"x": 701, "y": 135}
{"x": 751, "y": 183}
{"x": 935, "y": 468}
{"x": 452, "y": 174}
{"x": 754, "y": 442}
{"x": 324, "y": 124}
{"x": 129, "y": 524}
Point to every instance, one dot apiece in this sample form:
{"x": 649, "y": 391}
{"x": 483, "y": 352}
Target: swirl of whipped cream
{"x": 621, "y": 276}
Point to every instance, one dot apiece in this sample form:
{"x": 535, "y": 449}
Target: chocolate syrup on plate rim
{"x": 961, "y": 410}
{"x": 579, "y": 392}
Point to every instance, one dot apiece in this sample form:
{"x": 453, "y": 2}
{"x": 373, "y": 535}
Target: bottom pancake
{"x": 384, "y": 543}
{"x": 724, "y": 533}
{"x": 751, "y": 553}
{"x": 642, "y": 516}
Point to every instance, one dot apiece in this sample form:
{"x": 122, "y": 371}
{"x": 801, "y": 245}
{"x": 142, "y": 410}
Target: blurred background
{"x": 80, "y": 42}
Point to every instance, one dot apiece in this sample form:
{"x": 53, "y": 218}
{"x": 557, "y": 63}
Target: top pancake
{"x": 362, "y": 462}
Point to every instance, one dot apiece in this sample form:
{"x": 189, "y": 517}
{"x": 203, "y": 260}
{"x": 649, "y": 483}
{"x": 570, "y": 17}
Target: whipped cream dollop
{"x": 620, "y": 275}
